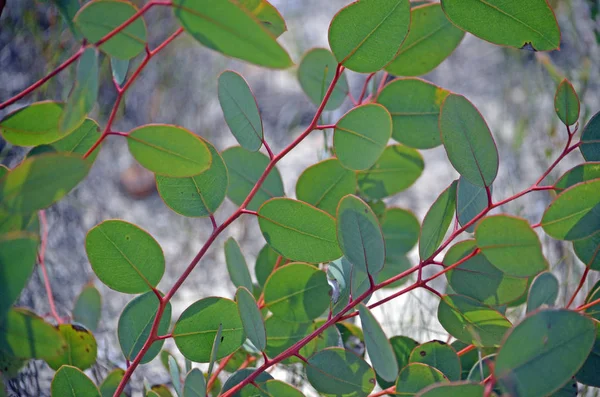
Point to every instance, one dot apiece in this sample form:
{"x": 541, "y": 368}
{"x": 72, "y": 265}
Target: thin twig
{"x": 42, "y": 262}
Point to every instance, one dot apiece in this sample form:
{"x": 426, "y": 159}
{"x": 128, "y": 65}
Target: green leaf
{"x": 199, "y": 195}
{"x": 252, "y": 320}
{"x": 402, "y": 346}
{"x": 575, "y": 213}
{"x": 566, "y": 103}
{"x": 273, "y": 388}
{"x": 71, "y": 382}
{"x": 580, "y": 173}
{"x": 510, "y": 244}
{"x": 169, "y": 150}
{"x": 439, "y": 356}
{"x": 18, "y": 253}
{"x": 590, "y": 139}
{"x": 415, "y": 377}
{"x": 468, "y": 141}
{"x": 98, "y": 18}
{"x": 88, "y": 307}
{"x": 249, "y": 390}
{"x": 557, "y": 339}
{"x": 359, "y": 235}
{"x": 339, "y": 372}
{"x": 195, "y": 384}
{"x": 84, "y": 93}
{"x": 594, "y": 294}
{"x": 396, "y": 170}
{"x": 214, "y": 351}
{"x": 588, "y": 373}
{"x": 81, "y": 140}
{"x": 265, "y": 263}
{"x": 25, "y": 335}
{"x": 436, "y": 222}
{"x": 479, "y": 279}
{"x": 32, "y": 125}
{"x": 245, "y": 169}
{"x": 111, "y": 383}
{"x": 367, "y": 127}
{"x": 40, "y": 181}
{"x": 543, "y": 291}
{"x": 324, "y": 184}
{"x": 228, "y": 28}
{"x": 240, "y": 110}
{"x": 135, "y": 323}
{"x": 470, "y": 201}
{"x": 365, "y": 36}
{"x": 588, "y": 250}
{"x": 236, "y": 265}
{"x": 268, "y": 15}
{"x": 526, "y": 23}
{"x": 291, "y": 226}
{"x": 125, "y": 257}
{"x": 315, "y": 74}
{"x": 81, "y": 348}
{"x": 68, "y": 9}
{"x": 175, "y": 375}
{"x": 159, "y": 391}
{"x": 414, "y": 105}
{"x": 11, "y": 366}
{"x": 454, "y": 389}
{"x": 119, "y": 69}
{"x": 471, "y": 321}
{"x": 195, "y": 330}
{"x": 431, "y": 39}
{"x": 379, "y": 348}
{"x": 482, "y": 369}
{"x": 297, "y": 292}
{"x": 400, "y": 229}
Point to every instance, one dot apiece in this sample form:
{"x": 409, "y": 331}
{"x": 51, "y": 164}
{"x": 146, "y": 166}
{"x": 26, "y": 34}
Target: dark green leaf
{"x": 35, "y": 124}
{"x": 175, "y": 375}
{"x": 588, "y": 251}
{"x": 401, "y": 232}
{"x": 436, "y": 222}
{"x": 18, "y": 252}
{"x": 315, "y": 74}
{"x": 581, "y": 173}
{"x": 566, "y": 103}
{"x": 111, "y": 383}
{"x": 119, "y": 69}
{"x": 277, "y": 388}
{"x": 236, "y": 265}
{"x": 88, "y": 307}
{"x": 195, "y": 384}
{"x": 594, "y": 294}
{"x": 71, "y": 382}
{"x": 590, "y": 139}
{"x": 454, "y": 389}
{"x": 265, "y": 263}
{"x": 379, "y": 348}
{"x": 68, "y": 9}
{"x": 440, "y": 356}
{"x": 81, "y": 348}
{"x": 543, "y": 291}
{"x": 252, "y": 320}
{"x": 470, "y": 201}
{"x": 402, "y": 346}
{"x": 249, "y": 390}
{"x": 415, "y": 377}
{"x": 588, "y": 374}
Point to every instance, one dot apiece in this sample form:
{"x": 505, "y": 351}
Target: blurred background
{"x": 513, "y": 89}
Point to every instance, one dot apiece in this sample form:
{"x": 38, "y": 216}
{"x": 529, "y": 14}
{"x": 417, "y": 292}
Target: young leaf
{"x": 81, "y": 348}
{"x": 297, "y": 292}
{"x": 69, "y": 381}
{"x": 339, "y": 372}
{"x": 367, "y": 127}
{"x": 580, "y": 173}
{"x": 588, "y": 251}
{"x": 83, "y": 95}
{"x": 590, "y": 139}
{"x": 359, "y": 235}
{"x": 414, "y": 105}
{"x": 236, "y": 265}
{"x": 379, "y": 348}
{"x": 227, "y": 27}
{"x": 32, "y": 125}
{"x": 135, "y": 323}
{"x": 254, "y": 326}
{"x": 462, "y": 389}
{"x": 175, "y": 376}
{"x": 510, "y": 244}
{"x": 88, "y": 307}
{"x": 588, "y": 373}
{"x": 40, "y": 181}
{"x": 566, "y": 103}
{"x": 266, "y": 14}
{"x": 516, "y": 24}
{"x": 470, "y": 201}
{"x": 169, "y": 150}
{"x": 431, "y": 39}
{"x": 119, "y": 69}
{"x": 195, "y": 384}
{"x": 299, "y": 231}
{"x": 98, "y": 18}
{"x": 195, "y": 331}
{"x": 468, "y": 141}
{"x": 574, "y": 214}
{"x": 395, "y": 170}
{"x": 125, "y": 257}
{"x": 315, "y": 74}
{"x": 18, "y": 253}
{"x": 439, "y": 356}
{"x": 436, "y": 222}
{"x": 111, "y": 383}
{"x": 324, "y": 184}
{"x": 245, "y": 169}
{"x": 471, "y": 321}
{"x": 543, "y": 291}
{"x": 559, "y": 338}
{"x": 415, "y": 377}
{"x": 365, "y": 36}
{"x": 240, "y": 110}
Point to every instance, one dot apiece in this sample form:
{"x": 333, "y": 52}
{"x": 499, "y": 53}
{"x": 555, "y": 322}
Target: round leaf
{"x": 566, "y": 103}
{"x": 18, "y": 253}
{"x": 415, "y": 377}
{"x": 588, "y": 251}
{"x": 439, "y": 356}
{"x": 236, "y": 265}
{"x": 455, "y": 389}
{"x": 431, "y": 39}
{"x": 297, "y": 292}
{"x": 470, "y": 201}
{"x": 414, "y": 105}
{"x": 199, "y": 195}
{"x": 245, "y": 169}
{"x": 379, "y": 348}
{"x": 402, "y": 346}
{"x": 396, "y": 170}
{"x": 32, "y": 125}
{"x": 240, "y": 110}
{"x": 125, "y": 257}
{"x": 588, "y": 374}
{"x": 195, "y": 330}
{"x": 361, "y": 136}
{"x": 81, "y": 348}
{"x": 69, "y": 381}
{"x": 135, "y": 323}
{"x": 543, "y": 291}
{"x": 315, "y": 74}
{"x": 436, "y": 222}
{"x": 510, "y": 244}
{"x": 98, "y": 18}
{"x": 525, "y": 23}
{"x": 88, "y": 307}
{"x": 252, "y": 320}
{"x": 169, "y": 150}
{"x": 468, "y": 141}
{"x": 557, "y": 339}
{"x": 299, "y": 231}
{"x": 581, "y": 173}
{"x": 366, "y": 35}
{"x": 590, "y": 139}
{"x": 266, "y": 14}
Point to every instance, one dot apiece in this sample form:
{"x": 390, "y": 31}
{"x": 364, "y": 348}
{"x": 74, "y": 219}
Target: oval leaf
{"x": 33, "y": 125}
{"x": 236, "y": 265}
{"x": 470, "y": 201}
{"x": 590, "y": 139}
{"x": 81, "y": 348}
{"x": 81, "y": 140}
{"x": 265, "y": 263}
{"x": 119, "y": 69}
{"x": 588, "y": 251}
{"x": 379, "y": 348}
{"x": 580, "y": 173}
{"x": 18, "y": 253}
{"x": 401, "y": 232}
{"x": 440, "y": 356}
{"x": 69, "y": 381}
{"x": 252, "y": 320}
{"x": 315, "y": 74}
{"x": 111, "y": 383}
{"x": 455, "y": 389}
{"x": 88, "y": 307}
{"x": 566, "y": 103}
{"x": 543, "y": 291}
{"x": 402, "y": 346}
{"x": 588, "y": 374}
{"x": 195, "y": 384}
{"x": 266, "y": 14}
{"x": 415, "y": 377}
{"x": 436, "y": 222}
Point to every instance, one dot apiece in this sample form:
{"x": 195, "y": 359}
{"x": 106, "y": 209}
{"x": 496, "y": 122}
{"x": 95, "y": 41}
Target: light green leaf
{"x": 580, "y": 173}
{"x": 119, "y": 69}
{"x": 439, "y": 356}
{"x": 590, "y": 139}
{"x": 195, "y": 384}
{"x": 88, "y": 307}
{"x": 266, "y": 14}
{"x": 543, "y": 291}
{"x": 81, "y": 348}
{"x": 252, "y": 320}
{"x": 69, "y": 381}
{"x": 379, "y": 348}
{"x": 470, "y": 201}
{"x": 277, "y": 388}
{"x": 566, "y": 103}
{"x": 111, "y": 383}
{"x": 436, "y": 222}
{"x": 81, "y": 140}
{"x": 415, "y": 377}
{"x": 32, "y": 125}
{"x": 68, "y": 9}
{"x": 315, "y": 74}
{"x": 236, "y": 265}
{"x": 18, "y": 253}
{"x": 175, "y": 375}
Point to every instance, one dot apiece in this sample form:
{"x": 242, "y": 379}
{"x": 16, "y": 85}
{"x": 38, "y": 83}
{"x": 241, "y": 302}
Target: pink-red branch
{"x": 42, "y": 262}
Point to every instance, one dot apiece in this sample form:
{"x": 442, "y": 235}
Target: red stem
{"x": 364, "y": 89}
{"x": 581, "y": 282}
{"x": 389, "y": 390}
{"x": 41, "y": 259}
{"x": 466, "y": 350}
{"x": 214, "y": 375}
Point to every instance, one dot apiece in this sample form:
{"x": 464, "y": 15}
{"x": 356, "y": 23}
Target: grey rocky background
{"x": 513, "y": 89}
